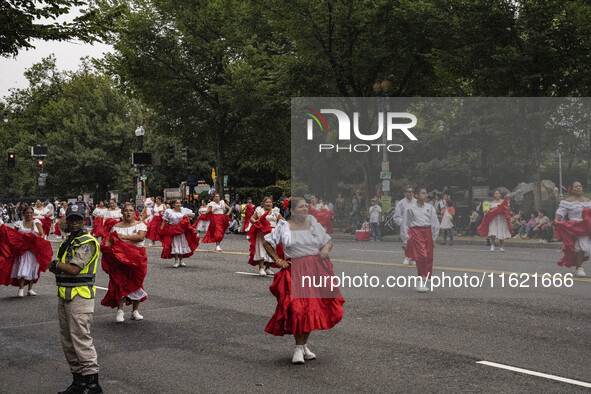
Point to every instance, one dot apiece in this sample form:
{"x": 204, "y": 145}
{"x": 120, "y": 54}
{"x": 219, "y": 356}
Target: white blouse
{"x": 271, "y": 217}
{"x": 217, "y": 209}
{"x": 25, "y": 230}
{"x": 173, "y": 217}
{"x": 494, "y": 204}
{"x": 159, "y": 208}
{"x": 40, "y": 214}
{"x": 114, "y": 214}
{"x": 133, "y": 230}
{"x": 99, "y": 212}
{"x": 572, "y": 210}
{"x": 299, "y": 243}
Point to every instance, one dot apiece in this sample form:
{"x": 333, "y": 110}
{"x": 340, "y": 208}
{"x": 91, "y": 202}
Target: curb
{"x": 480, "y": 241}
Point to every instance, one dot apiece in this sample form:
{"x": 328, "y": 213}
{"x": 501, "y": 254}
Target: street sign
{"x": 39, "y": 150}
{"x": 144, "y": 177}
{"x": 385, "y": 175}
{"x": 141, "y": 158}
{"x": 192, "y": 180}
{"x": 41, "y": 181}
{"x": 386, "y": 203}
{"x": 44, "y": 175}
{"x": 385, "y": 185}
{"x": 225, "y": 181}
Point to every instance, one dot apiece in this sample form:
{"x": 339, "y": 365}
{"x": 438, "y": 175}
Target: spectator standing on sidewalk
{"x": 447, "y": 217}
{"x": 375, "y": 217}
{"x": 355, "y": 214}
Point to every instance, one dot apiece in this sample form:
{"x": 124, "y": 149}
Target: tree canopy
{"x": 217, "y": 76}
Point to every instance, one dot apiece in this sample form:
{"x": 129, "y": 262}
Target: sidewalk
{"x": 339, "y": 234}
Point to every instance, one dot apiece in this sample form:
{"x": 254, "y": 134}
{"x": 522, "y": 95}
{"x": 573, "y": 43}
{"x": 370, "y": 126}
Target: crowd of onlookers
{"x": 12, "y": 213}
{"x": 368, "y": 217}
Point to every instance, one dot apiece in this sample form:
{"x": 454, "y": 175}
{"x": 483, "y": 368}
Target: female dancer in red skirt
{"x": 24, "y": 254}
{"x": 125, "y": 260}
{"x": 98, "y": 221}
{"x": 202, "y": 225}
{"x": 262, "y": 222}
{"x": 43, "y": 214}
{"x": 497, "y": 222}
{"x": 219, "y": 221}
{"x": 322, "y": 214}
{"x": 418, "y": 231}
{"x": 155, "y": 223}
{"x": 306, "y": 246}
{"x": 573, "y": 232}
{"x": 111, "y": 218}
{"x": 179, "y": 239}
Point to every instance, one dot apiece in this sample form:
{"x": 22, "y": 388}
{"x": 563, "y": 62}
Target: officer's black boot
{"x": 76, "y": 386}
{"x": 91, "y": 385}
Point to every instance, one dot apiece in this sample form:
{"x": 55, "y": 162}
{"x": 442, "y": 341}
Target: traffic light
{"x": 40, "y": 164}
{"x": 11, "y": 160}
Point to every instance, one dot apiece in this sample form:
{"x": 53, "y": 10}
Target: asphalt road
{"x": 203, "y": 329}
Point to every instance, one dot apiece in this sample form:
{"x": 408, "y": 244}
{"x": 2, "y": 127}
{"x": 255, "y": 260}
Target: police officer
{"x": 75, "y": 269}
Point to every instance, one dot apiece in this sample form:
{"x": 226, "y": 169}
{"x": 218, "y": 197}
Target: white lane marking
{"x": 252, "y": 274}
{"x": 486, "y": 249}
{"x": 453, "y": 250}
{"x": 380, "y": 251}
{"x": 534, "y": 373}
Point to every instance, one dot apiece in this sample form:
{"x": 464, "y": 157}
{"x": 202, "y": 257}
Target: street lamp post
{"x": 139, "y": 133}
{"x": 381, "y": 90}
{"x": 560, "y": 194}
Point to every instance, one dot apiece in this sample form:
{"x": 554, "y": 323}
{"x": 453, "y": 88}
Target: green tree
{"x": 21, "y": 21}
{"x": 87, "y": 125}
{"x": 206, "y": 67}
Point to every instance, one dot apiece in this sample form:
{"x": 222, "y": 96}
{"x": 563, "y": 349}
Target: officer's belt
{"x": 75, "y": 281}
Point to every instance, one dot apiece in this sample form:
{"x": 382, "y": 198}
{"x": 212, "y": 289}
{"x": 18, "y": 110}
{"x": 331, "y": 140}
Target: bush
{"x": 204, "y": 195}
{"x": 274, "y": 191}
{"x": 245, "y": 192}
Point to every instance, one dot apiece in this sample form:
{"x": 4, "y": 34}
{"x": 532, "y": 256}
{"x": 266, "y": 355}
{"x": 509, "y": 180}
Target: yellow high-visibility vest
{"x": 83, "y": 283}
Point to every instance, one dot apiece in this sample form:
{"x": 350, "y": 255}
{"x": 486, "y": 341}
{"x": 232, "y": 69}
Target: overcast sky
{"x": 67, "y": 54}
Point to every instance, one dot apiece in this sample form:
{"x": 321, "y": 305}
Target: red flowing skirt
{"x": 302, "y": 315}
{"x": 323, "y": 216}
{"x": 13, "y": 244}
{"x": 107, "y": 227}
{"x": 98, "y": 228}
{"x": 568, "y": 232}
{"x": 46, "y": 224}
{"x": 126, "y": 265}
{"x": 261, "y": 226}
{"x": 154, "y": 226}
{"x": 248, "y": 212}
{"x": 502, "y": 209}
{"x": 218, "y": 225}
{"x": 169, "y": 231}
{"x": 56, "y": 228}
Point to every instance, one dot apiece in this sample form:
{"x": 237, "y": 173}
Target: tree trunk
{"x": 535, "y": 149}
{"x": 219, "y": 178}
{"x": 588, "y": 180}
